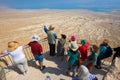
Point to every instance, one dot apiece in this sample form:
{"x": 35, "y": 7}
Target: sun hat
{"x": 83, "y": 72}
{"x": 12, "y": 45}
{"x": 51, "y": 27}
{"x": 35, "y": 37}
{"x": 73, "y": 37}
{"x": 84, "y": 41}
{"x": 73, "y": 46}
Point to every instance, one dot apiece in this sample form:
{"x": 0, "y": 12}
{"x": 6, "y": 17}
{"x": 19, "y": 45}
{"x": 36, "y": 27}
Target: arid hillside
{"x": 20, "y": 25}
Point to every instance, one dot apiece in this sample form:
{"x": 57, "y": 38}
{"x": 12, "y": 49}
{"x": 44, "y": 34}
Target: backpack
{"x": 109, "y": 51}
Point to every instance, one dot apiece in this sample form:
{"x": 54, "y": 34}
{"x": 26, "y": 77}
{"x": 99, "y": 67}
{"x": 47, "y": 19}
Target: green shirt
{"x": 73, "y": 57}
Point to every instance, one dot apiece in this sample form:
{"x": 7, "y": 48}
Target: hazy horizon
{"x": 94, "y": 5}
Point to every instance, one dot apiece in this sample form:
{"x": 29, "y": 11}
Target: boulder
{"x": 114, "y": 71}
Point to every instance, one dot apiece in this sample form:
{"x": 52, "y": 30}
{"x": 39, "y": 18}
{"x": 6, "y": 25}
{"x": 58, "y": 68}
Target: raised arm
{"x": 45, "y": 29}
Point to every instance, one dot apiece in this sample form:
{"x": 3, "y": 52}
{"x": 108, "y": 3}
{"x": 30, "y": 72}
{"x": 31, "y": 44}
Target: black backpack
{"x": 109, "y": 51}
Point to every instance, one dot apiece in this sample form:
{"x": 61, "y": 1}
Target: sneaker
{"x": 42, "y": 68}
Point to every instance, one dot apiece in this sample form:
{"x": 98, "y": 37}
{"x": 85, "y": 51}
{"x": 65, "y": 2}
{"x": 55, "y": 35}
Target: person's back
{"x": 51, "y": 38}
{"x": 73, "y": 56}
{"x": 102, "y": 49}
{"x": 37, "y": 51}
{"x": 35, "y": 47}
{"x": 83, "y": 49}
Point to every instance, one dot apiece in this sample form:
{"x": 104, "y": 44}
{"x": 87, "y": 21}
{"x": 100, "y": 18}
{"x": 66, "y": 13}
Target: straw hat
{"x": 35, "y": 37}
{"x": 51, "y": 27}
{"x": 12, "y": 45}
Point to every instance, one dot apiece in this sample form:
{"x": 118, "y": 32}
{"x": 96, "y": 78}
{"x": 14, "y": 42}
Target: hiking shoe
{"x": 42, "y": 68}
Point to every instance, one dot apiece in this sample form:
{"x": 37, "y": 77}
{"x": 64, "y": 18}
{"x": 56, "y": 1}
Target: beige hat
{"x": 12, "y": 45}
{"x": 51, "y": 27}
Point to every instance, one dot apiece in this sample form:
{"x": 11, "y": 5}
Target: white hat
{"x": 73, "y": 45}
{"x": 83, "y": 72}
{"x": 35, "y": 37}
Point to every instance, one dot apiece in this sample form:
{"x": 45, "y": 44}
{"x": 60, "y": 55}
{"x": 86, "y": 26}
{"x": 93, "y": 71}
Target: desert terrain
{"x": 20, "y": 25}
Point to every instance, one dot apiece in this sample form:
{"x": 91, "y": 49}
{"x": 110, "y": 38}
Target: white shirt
{"x": 17, "y": 54}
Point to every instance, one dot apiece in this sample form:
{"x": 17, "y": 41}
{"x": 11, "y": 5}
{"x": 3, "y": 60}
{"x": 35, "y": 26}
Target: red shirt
{"x": 36, "y": 47}
{"x": 83, "y": 50}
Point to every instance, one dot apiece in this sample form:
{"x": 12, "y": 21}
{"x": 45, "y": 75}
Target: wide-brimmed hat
{"x": 51, "y": 27}
{"x": 73, "y": 46}
{"x": 84, "y": 41}
{"x": 12, "y": 45}
{"x": 35, "y": 37}
{"x": 73, "y": 37}
{"x": 83, "y": 72}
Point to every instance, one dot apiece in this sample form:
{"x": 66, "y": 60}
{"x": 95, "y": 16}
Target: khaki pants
{"x": 22, "y": 65}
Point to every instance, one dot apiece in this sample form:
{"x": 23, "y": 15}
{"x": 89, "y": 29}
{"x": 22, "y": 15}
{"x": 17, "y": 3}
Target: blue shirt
{"x": 93, "y": 56}
{"x": 90, "y": 77}
{"x": 102, "y": 50}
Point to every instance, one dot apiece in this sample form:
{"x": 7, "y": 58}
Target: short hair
{"x": 95, "y": 47}
{"x": 63, "y": 36}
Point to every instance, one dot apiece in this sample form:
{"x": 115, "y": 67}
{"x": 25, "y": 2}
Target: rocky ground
{"x": 55, "y": 68}
{"x": 20, "y": 25}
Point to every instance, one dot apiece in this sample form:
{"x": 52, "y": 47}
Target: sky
{"x": 61, "y": 4}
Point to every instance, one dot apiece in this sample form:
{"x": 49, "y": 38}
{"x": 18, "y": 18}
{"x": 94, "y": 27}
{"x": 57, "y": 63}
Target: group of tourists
{"x": 75, "y": 54}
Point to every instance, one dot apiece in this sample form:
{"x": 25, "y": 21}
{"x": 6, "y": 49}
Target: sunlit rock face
{"x": 114, "y": 71}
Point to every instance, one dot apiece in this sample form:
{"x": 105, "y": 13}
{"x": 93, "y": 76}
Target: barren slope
{"x": 22, "y": 24}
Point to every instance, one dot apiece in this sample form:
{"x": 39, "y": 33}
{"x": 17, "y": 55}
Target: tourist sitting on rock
{"x": 72, "y": 56}
{"x": 105, "y": 52}
{"x": 51, "y": 39}
{"x": 117, "y": 53}
{"x": 92, "y": 59}
{"x": 60, "y": 47}
{"x": 37, "y": 50}
{"x": 84, "y": 74}
{"x": 18, "y": 56}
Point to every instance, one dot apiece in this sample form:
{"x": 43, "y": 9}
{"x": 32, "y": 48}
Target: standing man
{"x": 37, "y": 51}
{"x": 51, "y": 39}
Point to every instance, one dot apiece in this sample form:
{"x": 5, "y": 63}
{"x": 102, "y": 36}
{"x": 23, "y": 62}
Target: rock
{"x": 2, "y": 74}
{"x": 114, "y": 71}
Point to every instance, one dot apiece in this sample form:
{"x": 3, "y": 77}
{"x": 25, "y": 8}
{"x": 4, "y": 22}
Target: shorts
{"x": 38, "y": 57}
{"x": 72, "y": 67}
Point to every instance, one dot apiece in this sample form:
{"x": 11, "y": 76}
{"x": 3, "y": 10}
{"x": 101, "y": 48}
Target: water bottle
{"x": 48, "y": 78}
